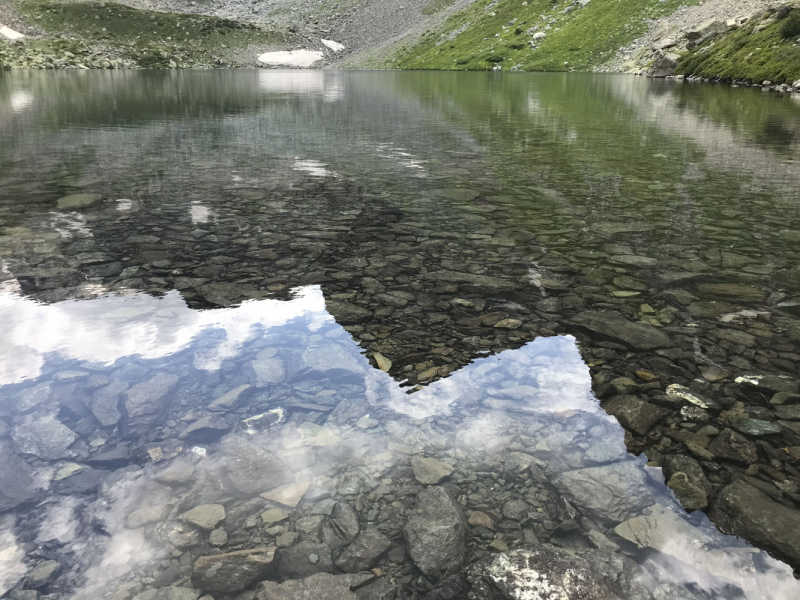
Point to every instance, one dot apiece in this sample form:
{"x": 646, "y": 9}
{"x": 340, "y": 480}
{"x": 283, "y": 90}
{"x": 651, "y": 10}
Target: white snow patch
{"x": 9, "y": 33}
{"x": 335, "y": 46}
{"x": 312, "y": 167}
{"x": 291, "y": 58}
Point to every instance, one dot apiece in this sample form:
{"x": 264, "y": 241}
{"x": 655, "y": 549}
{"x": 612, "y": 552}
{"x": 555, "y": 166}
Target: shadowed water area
{"x": 378, "y": 336}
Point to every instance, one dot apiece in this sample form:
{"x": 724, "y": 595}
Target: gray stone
{"x": 613, "y": 493}
{"x": 634, "y": 414}
{"x": 78, "y": 201}
{"x": 382, "y": 589}
{"x": 205, "y": 429}
{"x": 43, "y": 574}
{"x": 303, "y": 560}
{"x": 691, "y": 495}
{"x": 233, "y": 572}
{"x": 16, "y": 479}
{"x": 363, "y": 552}
{"x": 662, "y": 530}
{"x": 346, "y": 520}
{"x": 229, "y": 400}
{"x": 333, "y": 357}
{"x": 30, "y": 398}
{"x": 754, "y": 427}
{"x": 546, "y": 572}
{"x": 429, "y": 471}
{"x": 249, "y": 469}
{"x": 436, "y": 533}
{"x": 146, "y": 402}
{"x": 207, "y": 516}
{"x": 45, "y": 437}
{"x": 347, "y": 313}
{"x": 729, "y": 445}
{"x": 269, "y": 369}
{"x": 218, "y": 537}
{"x": 741, "y": 509}
{"x": 640, "y": 336}
{"x": 322, "y": 586}
{"x": 105, "y": 403}
{"x": 169, "y": 593}
{"x": 733, "y": 291}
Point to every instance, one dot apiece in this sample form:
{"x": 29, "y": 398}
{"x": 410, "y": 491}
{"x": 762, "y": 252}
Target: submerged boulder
{"x": 146, "y": 402}
{"x": 249, "y": 469}
{"x": 614, "y": 492}
{"x": 16, "y": 480}
{"x": 547, "y": 572}
{"x": 437, "y": 533}
{"x": 741, "y": 509}
{"x": 233, "y": 572}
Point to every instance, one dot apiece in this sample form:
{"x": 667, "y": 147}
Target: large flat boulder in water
{"x": 233, "y": 572}
{"x": 741, "y": 509}
{"x": 146, "y": 402}
{"x": 547, "y": 572}
{"x": 613, "y": 493}
{"x": 611, "y": 324}
{"x": 437, "y": 533}
{"x": 321, "y": 585}
{"x": 250, "y": 470}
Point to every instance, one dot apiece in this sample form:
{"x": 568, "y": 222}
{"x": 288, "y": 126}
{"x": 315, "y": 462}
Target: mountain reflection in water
{"x": 269, "y": 312}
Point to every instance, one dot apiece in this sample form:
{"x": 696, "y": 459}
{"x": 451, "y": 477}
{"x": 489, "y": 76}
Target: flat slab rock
{"x": 741, "y": 509}
{"x": 611, "y": 324}
{"x": 614, "y": 492}
{"x": 233, "y": 572}
{"x": 316, "y": 587}
{"x": 16, "y": 479}
{"x": 550, "y": 573}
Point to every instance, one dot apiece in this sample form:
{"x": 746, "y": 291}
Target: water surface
{"x": 337, "y": 274}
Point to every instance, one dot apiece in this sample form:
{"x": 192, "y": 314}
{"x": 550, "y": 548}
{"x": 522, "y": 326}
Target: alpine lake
{"x": 274, "y": 335}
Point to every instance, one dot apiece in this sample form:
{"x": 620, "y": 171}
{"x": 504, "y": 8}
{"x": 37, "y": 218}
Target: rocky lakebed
{"x": 325, "y": 335}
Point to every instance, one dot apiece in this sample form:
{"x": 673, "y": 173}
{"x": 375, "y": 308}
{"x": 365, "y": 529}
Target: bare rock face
{"x": 437, "y": 533}
{"x": 741, "y": 509}
{"x": 233, "y": 572}
{"x": 548, "y": 572}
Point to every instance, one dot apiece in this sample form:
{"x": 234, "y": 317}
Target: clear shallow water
{"x": 281, "y": 240}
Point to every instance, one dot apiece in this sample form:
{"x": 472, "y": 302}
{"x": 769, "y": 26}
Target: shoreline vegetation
{"x": 646, "y": 37}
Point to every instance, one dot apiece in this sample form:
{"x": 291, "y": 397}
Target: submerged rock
{"x": 316, "y": 587}
{"x": 207, "y": 516}
{"x": 169, "y": 593}
{"x": 45, "y": 437}
{"x": 249, "y": 469}
{"x": 233, "y": 572}
{"x": 640, "y": 336}
{"x": 363, "y": 552}
{"x": 16, "y": 479}
{"x": 45, "y": 572}
{"x": 612, "y": 492}
{"x": 547, "y": 572}
{"x": 146, "y": 402}
{"x": 437, "y": 533}
{"x": 429, "y": 471}
{"x": 741, "y": 509}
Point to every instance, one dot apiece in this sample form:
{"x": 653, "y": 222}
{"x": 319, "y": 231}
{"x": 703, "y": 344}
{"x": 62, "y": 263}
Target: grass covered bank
{"x": 577, "y": 35}
{"x": 757, "y": 52}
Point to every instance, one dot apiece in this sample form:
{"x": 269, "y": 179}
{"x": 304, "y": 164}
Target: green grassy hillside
{"x": 498, "y": 32}
{"x": 750, "y": 54}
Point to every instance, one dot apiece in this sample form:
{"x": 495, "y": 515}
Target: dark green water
{"x": 564, "y": 289}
